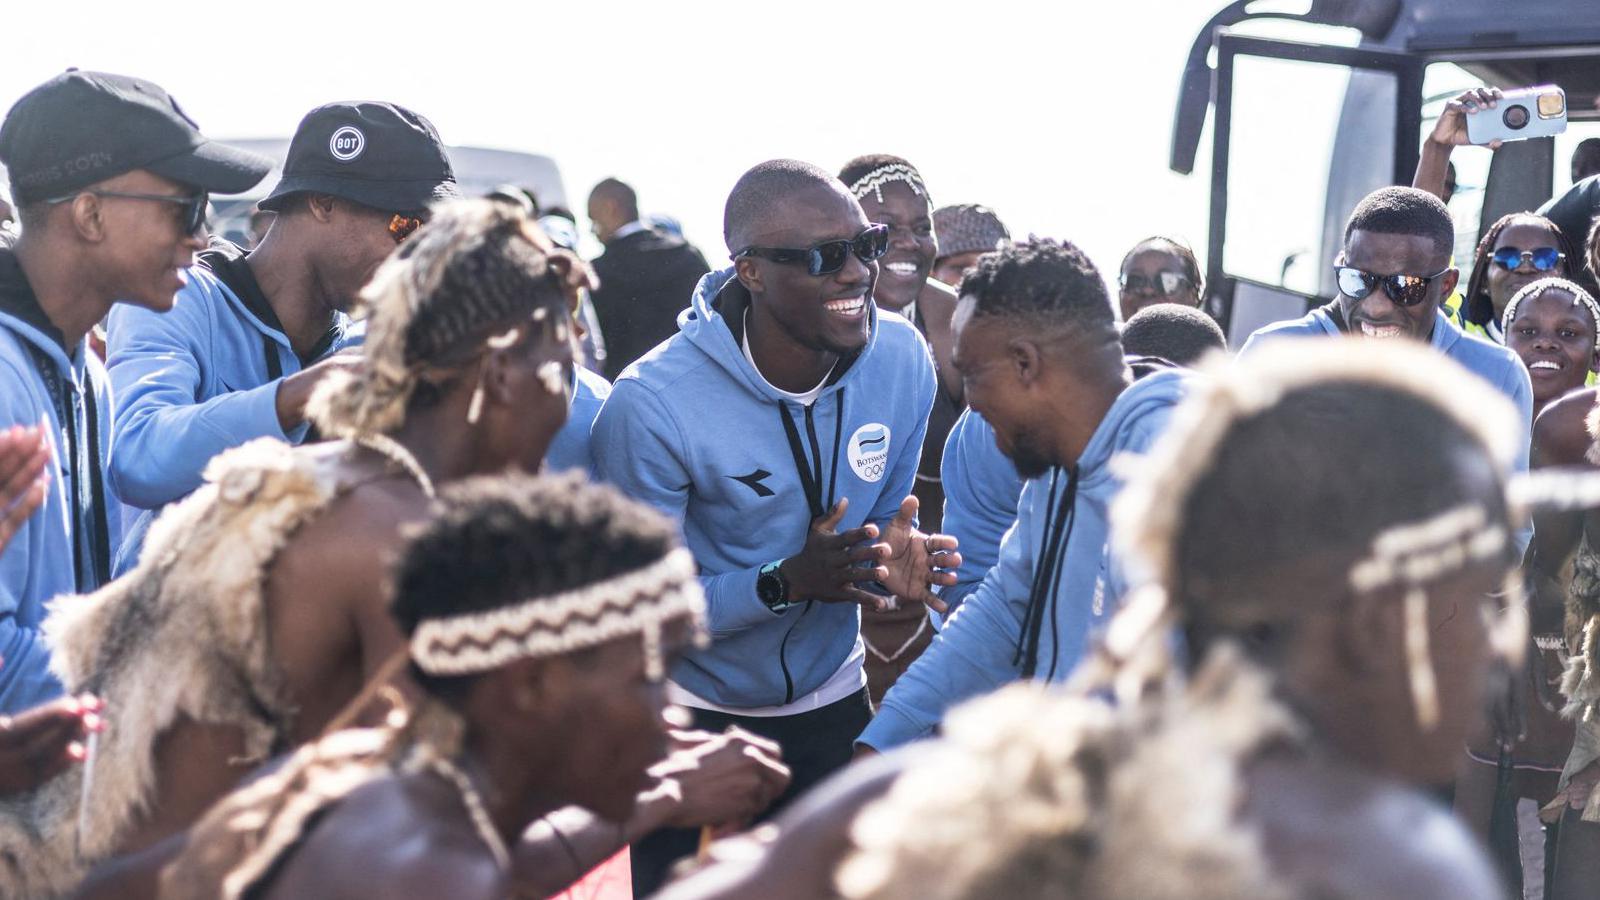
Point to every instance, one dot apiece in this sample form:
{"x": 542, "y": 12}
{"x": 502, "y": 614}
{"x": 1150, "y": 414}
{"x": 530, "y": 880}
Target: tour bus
{"x": 478, "y": 171}
{"x": 1302, "y": 130}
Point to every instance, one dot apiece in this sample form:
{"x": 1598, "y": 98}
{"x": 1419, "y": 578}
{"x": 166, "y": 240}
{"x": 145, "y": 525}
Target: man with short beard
{"x": 1038, "y": 349}
{"x": 110, "y": 179}
{"x": 255, "y": 332}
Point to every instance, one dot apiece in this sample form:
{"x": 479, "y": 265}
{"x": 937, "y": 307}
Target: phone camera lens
{"x": 1515, "y": 117}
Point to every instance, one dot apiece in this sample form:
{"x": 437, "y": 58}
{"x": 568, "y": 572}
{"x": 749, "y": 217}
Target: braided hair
{"x": 478, "y": 267}
{"x": 1476, "y": 307}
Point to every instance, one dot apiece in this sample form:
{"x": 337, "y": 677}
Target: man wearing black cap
{"x": 254, "y": 333}
{"x": 110, "y": 179}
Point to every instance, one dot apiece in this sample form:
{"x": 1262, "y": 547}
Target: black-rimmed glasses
{"x": 193, "y": 210}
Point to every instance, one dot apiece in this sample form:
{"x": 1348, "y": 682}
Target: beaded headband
{"x": 1410, "y": 554}
{"x": 874, "y": 181}
{"x": 639, "y": 602}
{"x": 1534, "y": 289}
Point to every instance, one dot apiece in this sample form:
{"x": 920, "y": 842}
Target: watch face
{"x": 770, "y": 588}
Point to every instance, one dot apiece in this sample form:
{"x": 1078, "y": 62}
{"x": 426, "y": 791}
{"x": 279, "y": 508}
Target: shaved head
{"x": 756, "y": 204}
{"x": 612, "y": 191}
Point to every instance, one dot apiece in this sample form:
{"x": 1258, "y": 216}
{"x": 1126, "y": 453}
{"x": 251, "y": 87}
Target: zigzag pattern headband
{"x": 639, "y": 602}
{"x": 874, "y": 181}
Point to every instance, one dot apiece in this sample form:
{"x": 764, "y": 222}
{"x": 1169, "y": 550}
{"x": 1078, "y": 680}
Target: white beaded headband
{"x": 873, "y": 181}
{"x": 1414, "y": 554}
{"x": 639, "y": 602}
{"x": 1534, "y": 289}
{"x": 1148, "y": 513}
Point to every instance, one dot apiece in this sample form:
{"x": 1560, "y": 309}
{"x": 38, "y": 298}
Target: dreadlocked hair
{"x": 1476, "y": 307}
{"x": 497, "y": 541}
{"x": 478, "y": 267}
{"x": 1221, "y": 511}
{"x": 1042, "y": 792}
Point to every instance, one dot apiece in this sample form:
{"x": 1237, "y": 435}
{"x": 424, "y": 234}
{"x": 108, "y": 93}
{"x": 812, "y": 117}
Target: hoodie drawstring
{"x": 1042, "y": 595}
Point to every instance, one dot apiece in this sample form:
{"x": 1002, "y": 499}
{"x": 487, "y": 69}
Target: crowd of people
{"x": 406, "y": 553}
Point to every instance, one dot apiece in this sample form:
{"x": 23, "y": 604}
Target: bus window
{"x": 1285, "y": 134}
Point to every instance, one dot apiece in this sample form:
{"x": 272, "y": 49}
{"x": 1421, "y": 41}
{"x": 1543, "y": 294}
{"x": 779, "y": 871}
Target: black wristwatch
{"x": 772, "y": 588}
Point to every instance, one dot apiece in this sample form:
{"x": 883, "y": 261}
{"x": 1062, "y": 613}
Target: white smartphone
{"x": 1521, "y": 114}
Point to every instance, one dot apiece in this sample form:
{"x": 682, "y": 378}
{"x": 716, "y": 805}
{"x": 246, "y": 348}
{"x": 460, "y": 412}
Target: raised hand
{"x": 1451, "y": 129}
{"x": 830, "y": 565}
{"x": 914, "y": 561}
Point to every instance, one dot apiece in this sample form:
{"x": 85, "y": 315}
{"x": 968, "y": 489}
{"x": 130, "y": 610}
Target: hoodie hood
{"x": 704, "y": 325}
{"x": 1126, "y": 421}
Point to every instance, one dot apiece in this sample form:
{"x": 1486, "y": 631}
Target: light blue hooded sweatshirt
{"x": 978, "y": 650}
{"x": 693, "y": 429}
{"x": 1498, "y": 365}
{"x": 198, "y": 380}
{"x": 571, "y": 449}
{"x": 65, "y": 547}
{"x": 981, "y": 490}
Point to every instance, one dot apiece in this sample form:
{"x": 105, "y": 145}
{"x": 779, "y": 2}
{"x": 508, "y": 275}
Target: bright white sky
{"x": 1057, "y": 115}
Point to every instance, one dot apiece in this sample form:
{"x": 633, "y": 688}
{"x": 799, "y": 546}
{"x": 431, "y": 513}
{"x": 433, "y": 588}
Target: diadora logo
{"x": 869, "y": 451}
{"x": 347, "y": 143}
{"x": 753, "y": 482}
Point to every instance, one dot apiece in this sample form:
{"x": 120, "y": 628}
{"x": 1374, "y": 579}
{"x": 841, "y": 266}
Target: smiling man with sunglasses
{"x": 110, "y": 177}
{"x": 783, "y": 425}
{"x": 1392, "y": 276}
{"x": 255, "y": 332}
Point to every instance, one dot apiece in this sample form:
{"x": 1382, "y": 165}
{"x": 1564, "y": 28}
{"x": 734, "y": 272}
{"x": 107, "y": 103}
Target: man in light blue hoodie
{"x": 1392, "y": 275}
{"x": 1038, "y": 349}
{"x": 783, "y": 425}
{"x": 252, "y": 334}
{"x": 111, "y": 179}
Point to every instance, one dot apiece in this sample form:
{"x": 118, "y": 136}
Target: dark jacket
{"x": 646, "y": 279}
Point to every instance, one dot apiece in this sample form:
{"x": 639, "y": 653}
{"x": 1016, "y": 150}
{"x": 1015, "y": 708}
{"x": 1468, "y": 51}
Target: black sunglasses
{"x": 828, "y": 258}
{"x": 193, "y": 205}
{"x": 1404, "y": 290}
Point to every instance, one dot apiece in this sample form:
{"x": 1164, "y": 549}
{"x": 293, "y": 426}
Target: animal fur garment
{"x": 1039, "y": 792}
{"x": 182, "y": 636}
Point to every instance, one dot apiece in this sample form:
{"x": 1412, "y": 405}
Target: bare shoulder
{"x": 394, "y": 838}
{"x": 355, "y": 536}
{"x": 1561, "y": 433}
{"x": 1336, "y": 832}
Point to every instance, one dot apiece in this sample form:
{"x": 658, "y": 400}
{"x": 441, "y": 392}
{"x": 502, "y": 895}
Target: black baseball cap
{"x": 376, "y": 154}
{"x": 80, "y": 128}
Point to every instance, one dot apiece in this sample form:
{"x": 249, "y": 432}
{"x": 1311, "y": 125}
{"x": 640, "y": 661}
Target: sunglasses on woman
{"x": 828, "y": 258}
{"x": 1163, "y": 283}
{"x": 1543, "y": 258}
{"x": 1404, "y": 290}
